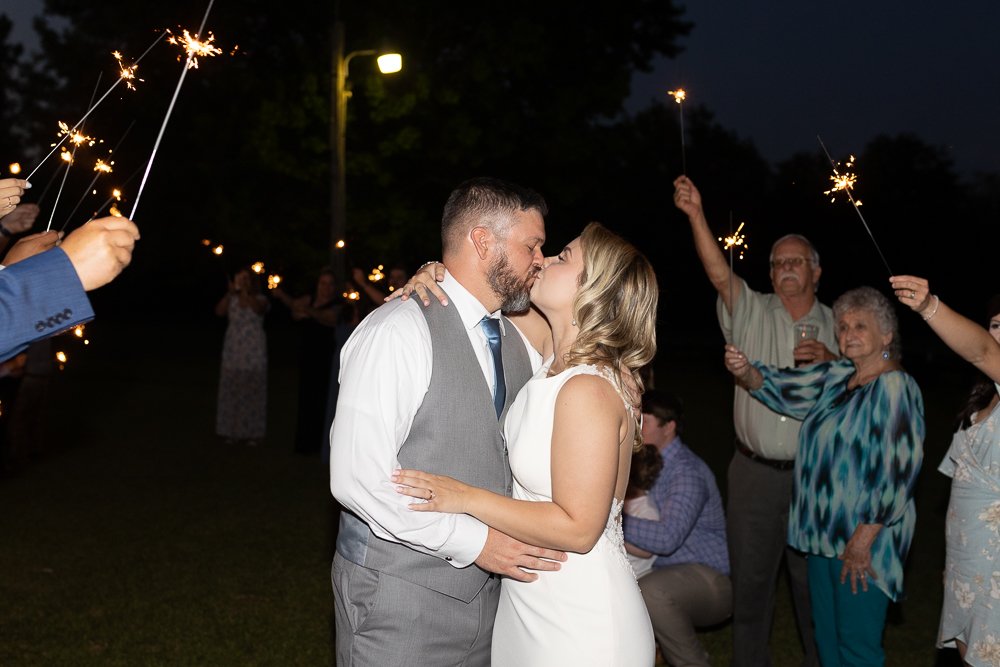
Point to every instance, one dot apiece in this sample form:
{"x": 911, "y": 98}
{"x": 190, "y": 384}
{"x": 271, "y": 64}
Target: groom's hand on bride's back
{"x": 504, "y": 555}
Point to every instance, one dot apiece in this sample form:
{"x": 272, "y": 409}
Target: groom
{"x": 427, "y": 388}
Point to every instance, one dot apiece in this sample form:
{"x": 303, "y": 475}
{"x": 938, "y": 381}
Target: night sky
{"x": 781, "y": 72}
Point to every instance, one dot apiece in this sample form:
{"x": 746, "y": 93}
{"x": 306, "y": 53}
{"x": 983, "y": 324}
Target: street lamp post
{"x": 388, "y": 63}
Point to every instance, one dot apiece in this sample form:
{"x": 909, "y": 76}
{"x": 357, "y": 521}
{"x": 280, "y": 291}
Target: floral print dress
{"x": 242, "y": 404}
{"x": 971, "y": 612}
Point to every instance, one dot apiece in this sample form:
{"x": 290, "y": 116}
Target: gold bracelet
{"x": 937, "y": 302}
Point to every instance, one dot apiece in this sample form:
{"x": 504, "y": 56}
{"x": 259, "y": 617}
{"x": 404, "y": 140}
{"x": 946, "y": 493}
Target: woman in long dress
{"x": 969, "y": 618}
{"x": 242, "y": 403}
{"x": 571, "y": 432}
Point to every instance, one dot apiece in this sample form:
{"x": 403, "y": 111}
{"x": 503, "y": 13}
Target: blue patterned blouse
{"x": 859, "y": 454}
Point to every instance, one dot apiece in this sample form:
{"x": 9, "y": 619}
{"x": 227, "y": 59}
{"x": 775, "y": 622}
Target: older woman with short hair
{"x": 859, "y": 453}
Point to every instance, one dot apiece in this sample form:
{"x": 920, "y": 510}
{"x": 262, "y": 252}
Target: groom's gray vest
{"x": 456, "y": 433}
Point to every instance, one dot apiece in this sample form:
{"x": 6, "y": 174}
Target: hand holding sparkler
{"x": 915, "y": 293}
{"x": 719, "y": 272}
{"x": 11, "y": 190}
{"x": 687, "y": 198}
{"x": 20, "y": 220}
{"x": 101, "y": 249}
{"x": 30, "y": 246}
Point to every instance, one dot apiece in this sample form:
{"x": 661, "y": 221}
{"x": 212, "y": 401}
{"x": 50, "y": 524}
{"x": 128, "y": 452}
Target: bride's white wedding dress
{"x": 590, "y": 612}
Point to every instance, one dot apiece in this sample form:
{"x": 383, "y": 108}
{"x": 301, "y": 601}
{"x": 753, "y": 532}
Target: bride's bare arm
{"x": 586, "y": 442}
{"x": 536, "y": 329}
{"x": 423, "y": 284}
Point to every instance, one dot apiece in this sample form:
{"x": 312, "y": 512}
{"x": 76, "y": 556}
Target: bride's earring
{"x": 574, "y": 321}
{"x": 885, "y": 354}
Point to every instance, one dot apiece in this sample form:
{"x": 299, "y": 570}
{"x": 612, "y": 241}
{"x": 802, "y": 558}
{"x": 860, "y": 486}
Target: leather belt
{"x": 771, "y": 463}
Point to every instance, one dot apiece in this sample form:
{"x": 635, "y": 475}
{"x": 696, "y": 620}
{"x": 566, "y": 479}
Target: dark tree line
{"x": 533, "y": 92}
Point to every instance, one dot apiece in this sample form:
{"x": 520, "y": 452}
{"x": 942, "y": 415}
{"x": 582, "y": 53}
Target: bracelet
{"x": 422, "y": 266}
{"x": 937, "y": 302}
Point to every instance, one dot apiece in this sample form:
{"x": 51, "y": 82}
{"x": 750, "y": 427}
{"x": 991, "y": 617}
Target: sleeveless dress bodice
{"x": 589, "y": 612}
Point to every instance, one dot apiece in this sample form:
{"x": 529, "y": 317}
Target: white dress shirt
{"x": 385, "y": 370}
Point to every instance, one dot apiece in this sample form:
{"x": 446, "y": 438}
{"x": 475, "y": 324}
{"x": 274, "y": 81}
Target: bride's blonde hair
{"x": 615, "y": 309}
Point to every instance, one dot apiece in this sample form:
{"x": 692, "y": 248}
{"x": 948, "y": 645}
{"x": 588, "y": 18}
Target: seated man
{"x": 689, "y": 586}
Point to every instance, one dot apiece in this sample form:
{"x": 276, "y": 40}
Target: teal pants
{"x": 848, "y": 627}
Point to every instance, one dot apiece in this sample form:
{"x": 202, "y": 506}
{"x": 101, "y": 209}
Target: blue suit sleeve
{"x": 39, "y": 297}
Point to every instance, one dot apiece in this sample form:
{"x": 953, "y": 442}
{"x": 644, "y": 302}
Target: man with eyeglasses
{"x": 761, "y": 472}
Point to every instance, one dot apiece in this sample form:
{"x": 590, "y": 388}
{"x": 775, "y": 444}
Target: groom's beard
{"x": 514, "y": 292}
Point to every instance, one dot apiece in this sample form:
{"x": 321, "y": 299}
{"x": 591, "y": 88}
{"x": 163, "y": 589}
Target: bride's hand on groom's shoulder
{"x": 438, "y": 493}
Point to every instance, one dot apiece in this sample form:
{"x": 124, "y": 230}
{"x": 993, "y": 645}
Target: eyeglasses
{"x": 791, "y": 262}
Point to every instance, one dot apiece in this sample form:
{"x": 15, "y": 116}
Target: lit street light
{"x": 388, "y": 63}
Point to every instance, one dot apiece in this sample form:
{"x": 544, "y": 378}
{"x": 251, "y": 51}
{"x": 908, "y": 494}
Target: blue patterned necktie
{"x": 491, "y": 328}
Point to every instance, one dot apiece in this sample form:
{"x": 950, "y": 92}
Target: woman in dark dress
{"x": 316, "y": 317}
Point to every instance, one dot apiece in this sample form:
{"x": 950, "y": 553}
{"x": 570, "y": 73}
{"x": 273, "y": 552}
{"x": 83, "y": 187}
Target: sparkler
{"x": 77, "y": 139}
{"x": 376, "y": 274}
{"x": 195, "y": 48}
{"x": 126, "y": 73}
{"x": 735, "y": 239}
{"x": 116, "y": 195}
{"x": 100, "y": 168}
{"x": 170, "y": 109}
{"x": 15, "y": 168}
{"x": 845, "y": 183}
{"x": 273, "y": 281}
{"x": 679, "y": 96}
{"x": 257, "y": 267}
{"x": 93, "y": 106}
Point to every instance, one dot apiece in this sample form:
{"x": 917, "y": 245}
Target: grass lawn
{"x": 139, "y": 539}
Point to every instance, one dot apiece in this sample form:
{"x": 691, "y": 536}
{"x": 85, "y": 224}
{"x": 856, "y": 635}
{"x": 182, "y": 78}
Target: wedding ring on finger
{"x": 913, "y": 295}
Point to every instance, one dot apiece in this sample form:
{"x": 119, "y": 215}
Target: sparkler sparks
{"x": 273, "y": 281}
{"x": 376, "y": 274}
{"x": 194, "y": 48}
{"x": 257, "y": 267}
{"x": 15, "y": 168}
{"x": 352, "y": 296}
{"x": 103, "y": 167}
{"x": 843, "y": 182}
{"x": 66, "y": 156}
{"x": 170, "y": 110}
{"x": 95, "y": 105}
{"x": 341, "y": 243}
{"x": 679, "y": 96}
{"x": 75, "y": 137}
{"x": 217, "y": 250}
{"x": 736, "y": 239}
{"x": 126, "y": 73}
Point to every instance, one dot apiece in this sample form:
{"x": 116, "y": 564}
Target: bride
{"x": 570, "y": 433}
